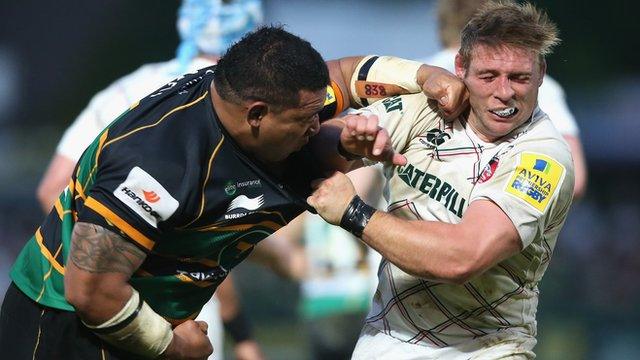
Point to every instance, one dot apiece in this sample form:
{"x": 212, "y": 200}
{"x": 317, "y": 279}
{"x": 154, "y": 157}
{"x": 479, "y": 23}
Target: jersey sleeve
{"x": 405, "y": 117}
{"x": 533, "y": 185}
{"x": 133, "y": 195}
{"x": 334, "y": 102}
{"x": 552, "y": 100}
{"x": 148, "y": 179}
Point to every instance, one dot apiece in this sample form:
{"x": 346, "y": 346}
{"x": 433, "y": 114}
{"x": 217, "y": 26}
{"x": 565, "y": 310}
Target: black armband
{"x": 345, "y": 154}
{"x": 238, "y": 328}
{"x": 356, "y": 217}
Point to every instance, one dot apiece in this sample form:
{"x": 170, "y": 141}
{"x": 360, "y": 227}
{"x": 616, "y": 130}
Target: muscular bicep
{"x": 97, "y": 250}
{"x": 97, "y": 272}
{"x": 493, "y": 233}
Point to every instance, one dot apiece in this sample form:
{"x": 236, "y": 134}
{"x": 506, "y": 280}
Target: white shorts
{"x": 373, "y": 344}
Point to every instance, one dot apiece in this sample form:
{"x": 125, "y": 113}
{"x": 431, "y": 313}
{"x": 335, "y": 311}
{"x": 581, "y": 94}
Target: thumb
{"x": 443, "y": 100}
{"x": 204, "y": 327}
{"x": 399, "y": 159}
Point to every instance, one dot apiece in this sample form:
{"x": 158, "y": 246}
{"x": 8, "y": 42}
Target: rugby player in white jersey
{"x": 474, "y": 214}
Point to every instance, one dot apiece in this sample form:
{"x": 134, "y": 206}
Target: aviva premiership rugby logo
{"x": 535, "y": 180}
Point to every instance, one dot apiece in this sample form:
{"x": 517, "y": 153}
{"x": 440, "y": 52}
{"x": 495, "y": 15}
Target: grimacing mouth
{"x": 505, "y": 113}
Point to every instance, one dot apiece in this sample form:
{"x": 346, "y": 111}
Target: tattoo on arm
{"x": 98, "y": 250}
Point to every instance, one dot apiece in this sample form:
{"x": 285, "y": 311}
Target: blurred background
{"x": 54, "y": 56}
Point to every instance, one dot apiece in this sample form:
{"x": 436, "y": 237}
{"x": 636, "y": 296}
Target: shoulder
{"x": 542, "y": 138}
{"x": 414, "y": 107}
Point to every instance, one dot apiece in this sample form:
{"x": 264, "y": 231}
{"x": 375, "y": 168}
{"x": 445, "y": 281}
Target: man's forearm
{"x": 96, "y": 284}
{"x": 432, "y": 250}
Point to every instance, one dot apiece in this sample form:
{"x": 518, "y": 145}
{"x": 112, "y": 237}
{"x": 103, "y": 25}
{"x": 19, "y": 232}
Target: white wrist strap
{"x": 136, "y": 328}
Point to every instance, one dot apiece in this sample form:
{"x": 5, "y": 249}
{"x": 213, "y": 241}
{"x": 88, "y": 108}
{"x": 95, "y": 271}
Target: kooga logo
{"x": 141, "y": 202}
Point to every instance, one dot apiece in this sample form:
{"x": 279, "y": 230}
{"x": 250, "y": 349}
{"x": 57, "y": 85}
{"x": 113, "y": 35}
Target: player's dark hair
{"x": 270, "y": 65}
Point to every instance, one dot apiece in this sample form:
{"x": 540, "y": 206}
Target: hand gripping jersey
{"x": 528, "y": 174}
{"x": 166, "y": 176}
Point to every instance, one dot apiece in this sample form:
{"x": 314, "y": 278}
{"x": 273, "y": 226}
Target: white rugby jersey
{"x": 109, "y": 103}
{"x": 529, "y": 174}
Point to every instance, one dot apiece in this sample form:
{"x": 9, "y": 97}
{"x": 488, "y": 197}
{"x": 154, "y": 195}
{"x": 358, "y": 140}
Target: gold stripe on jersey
{"x": 216, "y": 225}
{"x": 48, "y": 274}
{"x": 157, "y": 122}
{"x": 339, "y": 97}
{"x": 59, "y": 209}
{"x": 80, "y": 190}
{"x": 47, "y": 254}
{"x": 72, "y": 186}
{"x": 198, "y": 283}
{"x": 204, "y": 183}
{"x": 244, "y": 246}
{"x": 132, "y": 232}
{"x": 207, "y": 262}
{"x": 243, "y": 227}
{"x": 134, "y": 105}
{"x": 103, "y": 138}
{"x": 35, "y": 348}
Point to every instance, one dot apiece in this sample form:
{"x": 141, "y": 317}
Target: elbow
{"x": 459, "y": 274}
{"x": 462, "y": 269}
{"x": 463, "y": 275}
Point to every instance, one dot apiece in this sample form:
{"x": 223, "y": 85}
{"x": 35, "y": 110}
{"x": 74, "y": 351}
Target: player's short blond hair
{"x": 453, "y": 15}
{"x": 505, "y": 23}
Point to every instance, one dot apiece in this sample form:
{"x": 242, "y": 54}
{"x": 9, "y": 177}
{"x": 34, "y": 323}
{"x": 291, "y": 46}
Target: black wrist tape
{"x": 356, "y": 217}
{"x": 345, "y": 154}
{"x": 238, "y": 328}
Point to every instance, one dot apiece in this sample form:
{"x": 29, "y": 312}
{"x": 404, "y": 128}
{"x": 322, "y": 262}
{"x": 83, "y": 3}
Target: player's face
{"x": 289, "y": 130}
{"x": 503, "y": 87}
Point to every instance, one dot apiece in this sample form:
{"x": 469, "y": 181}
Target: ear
{"x": 461, "y": 72}
{"x": 256, "y": 111}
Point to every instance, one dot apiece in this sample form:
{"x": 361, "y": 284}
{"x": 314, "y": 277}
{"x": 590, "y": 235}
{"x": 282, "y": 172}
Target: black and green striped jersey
{"x": 168, "y": 177}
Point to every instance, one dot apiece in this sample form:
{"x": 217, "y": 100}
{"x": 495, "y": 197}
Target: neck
{"x": 480, "y": 131}
{"x": 230, "y": 116}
